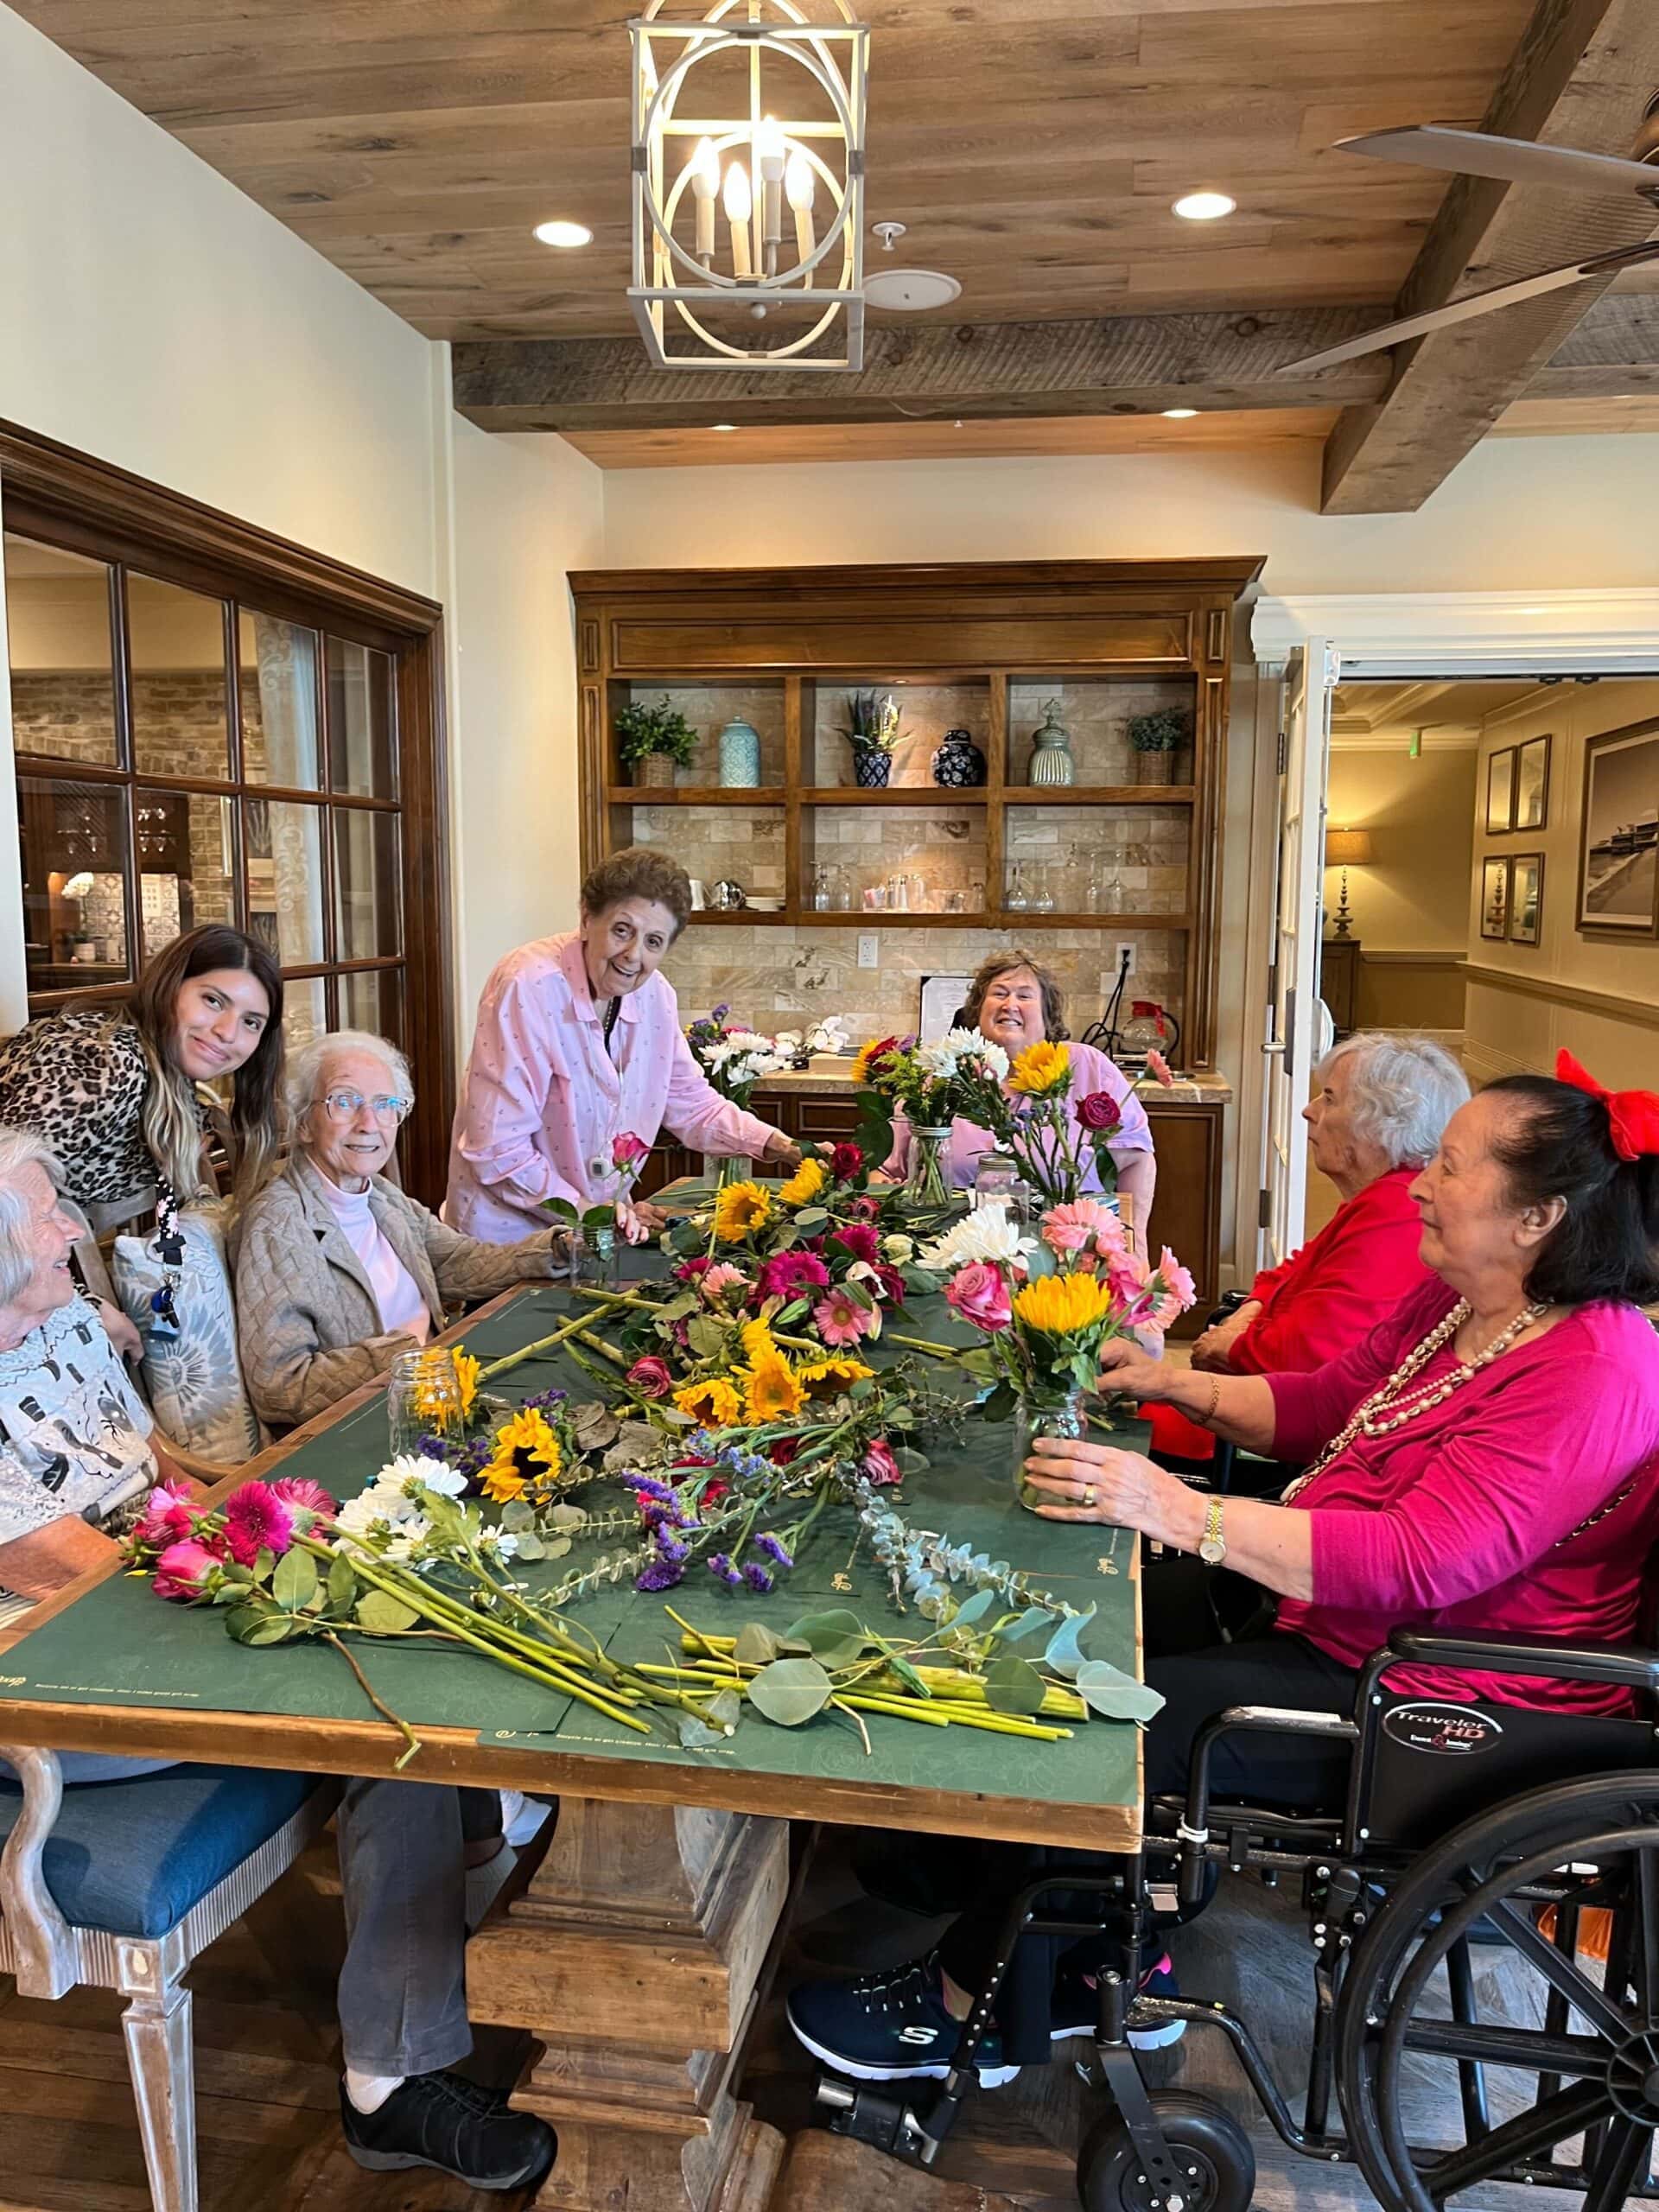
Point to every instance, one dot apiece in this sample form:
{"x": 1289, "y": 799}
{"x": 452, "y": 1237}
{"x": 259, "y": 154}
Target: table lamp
{"x": 1346, "y": 849}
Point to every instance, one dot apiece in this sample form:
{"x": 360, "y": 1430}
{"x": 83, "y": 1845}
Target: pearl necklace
{"x": 1371, "y": 1419}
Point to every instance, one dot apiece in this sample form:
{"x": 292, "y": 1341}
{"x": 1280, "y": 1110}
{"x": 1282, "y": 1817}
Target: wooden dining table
{"x": 637, "y": 1951}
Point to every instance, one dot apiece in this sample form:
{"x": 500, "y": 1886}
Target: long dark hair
{"x": 171, "y": 1128}
{"x": 1560, "y": 1145}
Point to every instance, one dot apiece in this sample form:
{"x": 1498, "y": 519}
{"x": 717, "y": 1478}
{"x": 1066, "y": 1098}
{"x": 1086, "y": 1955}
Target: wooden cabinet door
{"x": 1186, "y": 1207}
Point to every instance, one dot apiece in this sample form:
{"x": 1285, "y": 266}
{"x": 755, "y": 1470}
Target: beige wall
{"x": 1410, "y": 904}
{"x": 1600, "y": 1000}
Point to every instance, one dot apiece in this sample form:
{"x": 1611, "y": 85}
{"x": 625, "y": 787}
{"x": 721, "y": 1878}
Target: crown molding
{"x": 1399, "y": 634}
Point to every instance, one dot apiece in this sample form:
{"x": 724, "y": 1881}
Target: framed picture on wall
{"x": 1495, "y": 898}
{"x": 1619, "y": 841}
{"x": 1526, "y": 897}
{"x": 1532, "y": 784}
{"x": 1500, "y": 791}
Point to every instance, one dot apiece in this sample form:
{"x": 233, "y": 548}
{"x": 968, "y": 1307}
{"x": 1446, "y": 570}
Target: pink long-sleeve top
{"x": 1091, "y": 1071}
{"x": 543, "y": 1100}
{"x": 1470, "y": 1518}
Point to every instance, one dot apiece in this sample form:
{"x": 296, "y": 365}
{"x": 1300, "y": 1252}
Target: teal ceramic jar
{"x": 740, "y": 755}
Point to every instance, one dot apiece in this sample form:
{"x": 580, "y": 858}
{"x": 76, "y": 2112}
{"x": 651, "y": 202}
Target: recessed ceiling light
{"x": 561, "y": 233}
{"x": 723, "y": 426}
{"x": 1205, "y": 206}
{"x": 1180, "y": 413}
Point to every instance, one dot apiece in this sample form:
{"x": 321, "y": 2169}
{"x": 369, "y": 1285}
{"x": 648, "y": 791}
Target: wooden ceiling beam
{"x": 1120, "y": 364}
{"x": 1582, "y": 76}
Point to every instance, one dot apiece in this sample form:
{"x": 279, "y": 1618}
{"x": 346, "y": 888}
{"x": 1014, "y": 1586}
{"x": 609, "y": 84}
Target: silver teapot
{"x": 725, "y": 897}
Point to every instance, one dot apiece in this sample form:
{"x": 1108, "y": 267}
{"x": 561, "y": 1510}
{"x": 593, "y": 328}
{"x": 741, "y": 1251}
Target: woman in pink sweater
{"x": 1487, "y": 1459}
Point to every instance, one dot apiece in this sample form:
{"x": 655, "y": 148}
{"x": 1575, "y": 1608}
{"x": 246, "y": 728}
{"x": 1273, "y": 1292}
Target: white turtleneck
{"x": 402, "y": 1309}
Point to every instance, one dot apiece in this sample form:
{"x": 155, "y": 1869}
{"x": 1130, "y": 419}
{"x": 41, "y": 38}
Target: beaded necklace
{"x": 1371, "y": 1419}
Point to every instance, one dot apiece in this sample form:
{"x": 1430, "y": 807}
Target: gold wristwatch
{"x": 1213, "y": 1545}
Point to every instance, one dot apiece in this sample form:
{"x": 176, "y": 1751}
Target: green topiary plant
{"x": 1161, "y": 731}
{"x": 641, "y": 730}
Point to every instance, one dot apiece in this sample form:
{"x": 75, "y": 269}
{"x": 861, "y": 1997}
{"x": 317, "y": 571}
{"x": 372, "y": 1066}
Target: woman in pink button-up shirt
{"x": 578, "y": 1042}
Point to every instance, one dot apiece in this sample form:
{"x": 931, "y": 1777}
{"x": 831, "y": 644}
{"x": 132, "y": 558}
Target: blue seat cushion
{"x": 134, "y": 1856}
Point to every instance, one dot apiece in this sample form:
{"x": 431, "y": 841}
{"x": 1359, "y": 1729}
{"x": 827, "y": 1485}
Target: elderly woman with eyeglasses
{"x": 338, "y": 1270}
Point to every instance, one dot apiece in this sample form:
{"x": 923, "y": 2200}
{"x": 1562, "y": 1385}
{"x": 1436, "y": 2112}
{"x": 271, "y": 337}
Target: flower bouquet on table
{"x": 1045, "y": 1311}
{"x": 934, "y": 1084}
{"x": 1035, "y": 1123}
{"x": 591, "y": 1231}
{"x": 734, "y": 1059}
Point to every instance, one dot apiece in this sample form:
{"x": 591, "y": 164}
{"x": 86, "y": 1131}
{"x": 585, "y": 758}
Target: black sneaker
{"x": 889, "y": 2027}
{"x": 457, "y": 2125}
{"x": 1074, "y": 2009}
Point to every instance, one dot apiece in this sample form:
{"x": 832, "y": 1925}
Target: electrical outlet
{"x": 1123, "y": 962}
{"x": 869, "y": 952}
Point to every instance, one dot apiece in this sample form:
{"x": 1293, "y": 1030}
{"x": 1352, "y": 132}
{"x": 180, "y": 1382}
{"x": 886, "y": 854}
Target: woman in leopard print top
{"x": 113, "y": 1088}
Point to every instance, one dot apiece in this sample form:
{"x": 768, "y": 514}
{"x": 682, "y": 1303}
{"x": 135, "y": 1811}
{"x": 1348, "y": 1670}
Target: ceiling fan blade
{"x": 1517, "y": 160}
{"x": 1476, "y": 303}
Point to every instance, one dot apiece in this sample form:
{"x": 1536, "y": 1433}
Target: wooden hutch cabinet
{"x": 1128, "y": 850}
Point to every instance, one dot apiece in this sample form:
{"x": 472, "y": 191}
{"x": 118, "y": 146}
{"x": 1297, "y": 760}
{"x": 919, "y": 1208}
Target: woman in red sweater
{"x": 1375, "y": 1118}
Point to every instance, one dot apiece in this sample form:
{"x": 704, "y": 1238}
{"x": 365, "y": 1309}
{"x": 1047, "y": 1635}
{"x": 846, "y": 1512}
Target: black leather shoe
{"x": 457, "y": 2125}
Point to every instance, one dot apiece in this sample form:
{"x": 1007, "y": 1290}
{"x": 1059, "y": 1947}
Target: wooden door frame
{"x": 71, "y": 500}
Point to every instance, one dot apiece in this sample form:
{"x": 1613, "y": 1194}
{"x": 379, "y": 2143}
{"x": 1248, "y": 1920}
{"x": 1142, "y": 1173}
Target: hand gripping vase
{"x": 1066, "y": 1416}
{"x": 928, "y": 1183}
{"x": 740, "y": 755}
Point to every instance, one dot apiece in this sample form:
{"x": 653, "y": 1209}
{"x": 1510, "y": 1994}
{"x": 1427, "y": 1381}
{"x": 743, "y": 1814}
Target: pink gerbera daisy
{"x": 257, "y": 1520}
{"x": 301, "y": 1490}
{"x": 168, "y": 1516}
{"x": 1075, "y": 1226}
{"x": 840, "y": 1320}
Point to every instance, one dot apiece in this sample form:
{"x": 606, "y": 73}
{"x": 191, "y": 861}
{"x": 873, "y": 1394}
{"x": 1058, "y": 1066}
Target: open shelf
{"x": 1100, "y": 794}
{"x": 694, "y": 795}
{"x": 892, "y": 795}
{"x": 847, "y": 917}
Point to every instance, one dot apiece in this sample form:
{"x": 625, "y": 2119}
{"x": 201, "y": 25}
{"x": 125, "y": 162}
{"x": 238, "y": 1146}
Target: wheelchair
{"x": 1465, "y": 1825}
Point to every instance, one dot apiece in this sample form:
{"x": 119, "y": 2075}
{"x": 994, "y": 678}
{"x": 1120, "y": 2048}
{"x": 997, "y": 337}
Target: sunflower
{"x": 759, "y": 1343}
{"x": 526, "y": 1456}
{"x": 1060, "y": 1305}
{"x": 868, "y": 1055}
{"x": 770, "y": 1390}
{"x": 466, "y": 1369}
{"x": 1041, "y": 1070}
{"x": 828, "y": 1378}
{"x": 740, "y": 1208}
{"x": 712, "y": 1401}
{"x": 804, "y": 1185}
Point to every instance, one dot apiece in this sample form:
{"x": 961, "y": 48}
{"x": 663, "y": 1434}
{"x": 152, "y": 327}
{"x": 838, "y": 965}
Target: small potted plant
{"x": 1156, "y": 738}
{"x": 653, "y": 741}
{"x": 872, "y": 729}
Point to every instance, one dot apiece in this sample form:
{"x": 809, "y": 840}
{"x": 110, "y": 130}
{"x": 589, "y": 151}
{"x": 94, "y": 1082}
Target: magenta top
{"x": 543, "y": 1100}
{"x": 1091, "y": 1071}
{"x": 1464, "y": 1518}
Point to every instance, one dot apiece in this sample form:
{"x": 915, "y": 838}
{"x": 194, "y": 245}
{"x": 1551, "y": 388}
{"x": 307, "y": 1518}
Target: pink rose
{"x": 789, "y": 1274}
{"x": 168, "y": 1518}
{"x": 257, "y": 1520}
{"x": 861, "y": 1240}
{"x": 979, "y": 1293}
{"x": 650, "y": 1376}
{"x": 1100, "y": 1112}
{"x": 186, "y": 1571}
{"x": 866, "y": 1208}
{"x": 878, "y": 1467}
{"x": 628, "y": 1151}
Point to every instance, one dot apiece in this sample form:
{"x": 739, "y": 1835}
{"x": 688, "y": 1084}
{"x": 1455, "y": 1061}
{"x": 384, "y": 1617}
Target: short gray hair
{"x": 1406, "y": 1089}
{"x": 305, "y": 1067}
{"x": 19, "y": 1148}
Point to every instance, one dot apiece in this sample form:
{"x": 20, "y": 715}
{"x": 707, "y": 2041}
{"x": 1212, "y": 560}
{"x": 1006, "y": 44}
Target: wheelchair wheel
{"x": 1572, "y": 2045}
{"x": 1209, "y": 2146}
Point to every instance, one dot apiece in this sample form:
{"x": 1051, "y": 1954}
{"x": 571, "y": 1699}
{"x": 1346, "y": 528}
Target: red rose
{"x": 716, "y": 1491}
{"x": 627, "y": 1150}
{"x": 650, "y": 1376}
{"x": 847, "y": 1162}
{"x": 689, "y": 1270}
{"x": 878, "y": 1467}
{"x": 867, "y": 1208}
{"x": 1100, "y": 1112}
{"x": 860, "y": 1241}
{"x": 783, "y": 1451}
{"x": 892, "y": 1283}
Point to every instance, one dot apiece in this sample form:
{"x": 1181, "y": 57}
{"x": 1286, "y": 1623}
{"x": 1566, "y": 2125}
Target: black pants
{"x": 1258, "y": 1667}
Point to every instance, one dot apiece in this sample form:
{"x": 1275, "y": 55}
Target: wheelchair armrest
{"x": 1507, "y": 1652}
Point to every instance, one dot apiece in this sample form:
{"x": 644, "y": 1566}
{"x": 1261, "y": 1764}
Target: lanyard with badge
{"x": 169, "y": 1246}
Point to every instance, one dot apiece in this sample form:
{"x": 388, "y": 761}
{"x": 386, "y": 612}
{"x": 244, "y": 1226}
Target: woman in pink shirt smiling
{"x": 578, "y": 1043}
{"x": 1485, "y": 1460}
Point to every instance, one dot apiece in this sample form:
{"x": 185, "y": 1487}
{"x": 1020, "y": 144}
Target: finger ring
{"x": 1089, "y": 1496}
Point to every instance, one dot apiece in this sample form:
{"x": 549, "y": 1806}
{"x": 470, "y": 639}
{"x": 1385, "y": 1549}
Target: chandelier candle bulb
{"x": 705, "y": 189}
{"x": 800, "y": 185}
{"x": 769, "y": 165}
{"x": 740, "y": 205}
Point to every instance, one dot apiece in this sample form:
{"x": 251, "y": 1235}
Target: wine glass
{"x": 1018, "y": 899}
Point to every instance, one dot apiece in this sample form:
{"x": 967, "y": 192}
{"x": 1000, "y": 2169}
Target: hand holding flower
{"x": 1124, "y": 1366}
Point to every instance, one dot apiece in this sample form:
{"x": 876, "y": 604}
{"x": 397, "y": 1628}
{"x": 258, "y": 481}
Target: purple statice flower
{"x": 649, "y": 1486}
{"x": 432, "y": 1448}
{"x": 773, "y": 1547}
{"x": 668, "y": 1549}
{"x": 700, "y": 1445}
{"x": 758, "y": 1579}
{"x": 660, "y": 1574}
{"x": 720, "y": 1565}
{"x": 545, "y": 1401}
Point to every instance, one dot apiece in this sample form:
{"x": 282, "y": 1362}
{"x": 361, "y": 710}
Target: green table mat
{"x": 120, "y": 1645}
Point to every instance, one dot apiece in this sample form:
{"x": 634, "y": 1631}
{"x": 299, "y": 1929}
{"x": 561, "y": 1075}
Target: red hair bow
{"x": 1634, "y": 1113}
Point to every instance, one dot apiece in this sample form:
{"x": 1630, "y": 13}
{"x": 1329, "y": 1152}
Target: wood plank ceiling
{"x": 1032, "y": 147}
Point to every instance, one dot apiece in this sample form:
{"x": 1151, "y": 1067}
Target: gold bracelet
{"x": 1204, "y": 1420}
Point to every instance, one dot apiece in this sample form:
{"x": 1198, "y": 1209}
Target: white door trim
{"x": 1468, "y": 633}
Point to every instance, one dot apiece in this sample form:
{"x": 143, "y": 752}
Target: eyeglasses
{"x": 346, "y": 1105}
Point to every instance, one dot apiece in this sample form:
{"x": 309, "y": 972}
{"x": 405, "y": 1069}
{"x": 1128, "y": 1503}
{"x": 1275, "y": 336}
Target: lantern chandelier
{"x": 748, "y": 228}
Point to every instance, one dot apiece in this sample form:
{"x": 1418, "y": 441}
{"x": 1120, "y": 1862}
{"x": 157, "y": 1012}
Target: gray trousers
{"x": 403, "y": 1989}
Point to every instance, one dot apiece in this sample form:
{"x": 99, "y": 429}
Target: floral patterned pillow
{"x": 193, "y": 1381}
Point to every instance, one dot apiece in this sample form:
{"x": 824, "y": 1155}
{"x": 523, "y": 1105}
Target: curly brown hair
{"x": 638, "y": 872}
{"x": 1004, "y": 964}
